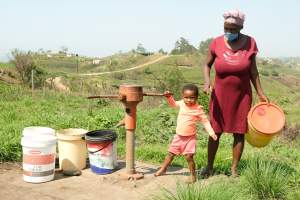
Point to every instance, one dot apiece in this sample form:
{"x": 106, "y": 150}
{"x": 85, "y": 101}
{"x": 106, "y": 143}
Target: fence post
{"x": 32, "y": 82}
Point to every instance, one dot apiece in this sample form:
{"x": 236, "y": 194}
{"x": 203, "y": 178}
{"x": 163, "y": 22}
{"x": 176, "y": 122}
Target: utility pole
{"x": 77, "y": 63}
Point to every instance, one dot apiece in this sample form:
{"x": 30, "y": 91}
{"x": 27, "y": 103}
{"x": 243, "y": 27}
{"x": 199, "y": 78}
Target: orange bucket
{"x": 265, "y": 120}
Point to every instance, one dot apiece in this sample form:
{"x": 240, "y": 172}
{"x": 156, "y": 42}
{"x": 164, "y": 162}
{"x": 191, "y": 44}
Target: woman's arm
{"x": 209, "y": 62}
{"x": 256, "y": 81}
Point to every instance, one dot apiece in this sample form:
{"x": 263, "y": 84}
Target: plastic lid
{"x": 71, "y": 134}
{"x": 266, "y": 118}
{"x": 39, "y": 141}
{"x": 37, "y": 130}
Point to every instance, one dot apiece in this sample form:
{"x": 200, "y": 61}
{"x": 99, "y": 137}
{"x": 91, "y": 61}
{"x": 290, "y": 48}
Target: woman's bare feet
{"x": 160, "y": 172}
{"x": 205, "y": 172}
{"x": 234, "y": 173}
{"x": 191, "y": 179}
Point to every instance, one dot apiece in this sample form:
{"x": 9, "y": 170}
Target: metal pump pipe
{"x": 130, "y": 96}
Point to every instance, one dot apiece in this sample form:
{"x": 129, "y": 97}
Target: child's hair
{"x": 191, "y": 87}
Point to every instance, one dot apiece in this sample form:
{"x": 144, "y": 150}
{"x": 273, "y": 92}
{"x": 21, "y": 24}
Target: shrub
{"x": 24, "y": 64}
{"x": 275, "y": 73}
{"x": 224, "y": 191}
{"x": 118, "y": 75}
{"x": 264, "y": 73}
{"x": 266, "y": 179}
{"x": 170, "y": 79}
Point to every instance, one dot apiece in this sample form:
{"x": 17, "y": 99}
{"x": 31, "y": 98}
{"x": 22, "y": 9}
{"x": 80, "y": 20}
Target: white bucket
{"x": 38, "y": 158}
{"x": 72, "y": 149}
{"x": 37, "y": 130}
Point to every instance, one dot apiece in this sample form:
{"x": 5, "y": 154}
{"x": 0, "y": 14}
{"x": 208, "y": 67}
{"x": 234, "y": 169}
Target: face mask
{"x": 231, "y": 36}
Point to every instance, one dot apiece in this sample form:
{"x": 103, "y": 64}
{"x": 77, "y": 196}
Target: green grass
{"x": 226, "y": 189}
{"x": 6, "y": 65}
{"x": 266, "y": 179}
{"x": 156, "y": 124}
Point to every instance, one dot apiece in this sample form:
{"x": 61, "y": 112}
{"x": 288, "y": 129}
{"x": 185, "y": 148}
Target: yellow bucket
{"x": 265, "y": 120}
{"x": 72, "y": 149}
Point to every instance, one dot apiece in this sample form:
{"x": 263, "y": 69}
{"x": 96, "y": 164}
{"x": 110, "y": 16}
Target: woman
{"x": 234, "y": 57}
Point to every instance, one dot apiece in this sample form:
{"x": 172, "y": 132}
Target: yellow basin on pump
{"x": 265, "y": 120}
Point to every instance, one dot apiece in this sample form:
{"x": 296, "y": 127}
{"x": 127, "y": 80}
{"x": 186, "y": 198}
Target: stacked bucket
{"x": 39, "y": 152}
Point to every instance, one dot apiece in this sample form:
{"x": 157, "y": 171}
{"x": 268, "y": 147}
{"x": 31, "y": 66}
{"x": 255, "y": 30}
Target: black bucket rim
{"x": 112, "y": 136}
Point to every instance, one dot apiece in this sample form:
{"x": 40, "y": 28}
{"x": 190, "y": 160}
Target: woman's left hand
{"x": 263, "y": 98}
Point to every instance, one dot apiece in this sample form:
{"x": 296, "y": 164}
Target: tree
{"x": 64, "y": 50}
{"x": 41, "y": 51}
{"x": 183, "y": 46}
{"x": 170, "y": 79}
{"x": 24, "y": 63}
{"x": 162, "y": 51}
{"x": 203, "y": 46}
{"x": 140, "y": 49}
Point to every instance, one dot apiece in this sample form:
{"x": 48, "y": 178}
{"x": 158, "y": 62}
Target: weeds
{"x": 201, "y": 191}
{"x": 266, "y": 179}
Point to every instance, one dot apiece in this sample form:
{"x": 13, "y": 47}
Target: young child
{"x": 184, "y": 142}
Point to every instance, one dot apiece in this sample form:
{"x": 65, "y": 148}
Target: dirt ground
{"x": 88, "y": 185}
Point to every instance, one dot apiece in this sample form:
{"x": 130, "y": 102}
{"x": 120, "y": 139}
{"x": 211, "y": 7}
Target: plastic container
{"x": 37, "y": 130}
{"x": 38, "y": 158}
{"x": 102, "y": 150}
{"x": 265, "y": 120}
{"x": 72, "y": 149}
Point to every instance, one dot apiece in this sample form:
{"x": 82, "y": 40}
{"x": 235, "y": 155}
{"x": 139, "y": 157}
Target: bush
{"x": 157, "y": 126}
{"x": 147, "y": 70}
{"x": 224, "y": 191}
{"x": 24, "y": 63}
{"x": 264, "y": 73}
{"x": 275, "y": 73}
{"x": 118, "y": 75}
{"x": 203, "y": 100}
{"x": 170, "y": 79}
{"x": 266, "y": 179}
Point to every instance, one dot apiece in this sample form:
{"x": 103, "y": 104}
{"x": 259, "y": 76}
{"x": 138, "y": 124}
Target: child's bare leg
{"x": 169, "y": 158}
{"x": 191, "y": 163}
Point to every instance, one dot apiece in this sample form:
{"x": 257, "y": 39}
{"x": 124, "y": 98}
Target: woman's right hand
{"x": 207, "y": 88}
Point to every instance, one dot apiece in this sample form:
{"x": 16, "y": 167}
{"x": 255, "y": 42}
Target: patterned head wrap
{"x": 234, "y": 17}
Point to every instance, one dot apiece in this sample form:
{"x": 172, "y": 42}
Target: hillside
{"x": 276, "y": 165}
{"x": 280, "y": 80}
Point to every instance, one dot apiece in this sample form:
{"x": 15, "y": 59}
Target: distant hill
{"x": 280, "y": 77}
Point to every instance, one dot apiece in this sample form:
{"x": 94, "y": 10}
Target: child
{"x": 184, "y": 142}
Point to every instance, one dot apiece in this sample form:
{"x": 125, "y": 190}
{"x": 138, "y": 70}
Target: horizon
{"x": 99, "y": 29}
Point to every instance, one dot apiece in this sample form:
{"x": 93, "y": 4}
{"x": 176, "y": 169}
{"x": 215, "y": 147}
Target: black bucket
{"x": 102, "y": 150}
{"x": 101, "y": 136}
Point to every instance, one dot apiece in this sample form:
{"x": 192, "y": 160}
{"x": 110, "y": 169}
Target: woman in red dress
{"x": 234, "y": 57}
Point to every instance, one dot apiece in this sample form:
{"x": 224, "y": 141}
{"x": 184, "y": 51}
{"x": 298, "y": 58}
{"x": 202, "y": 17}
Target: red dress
{"x": 231, "y": 97}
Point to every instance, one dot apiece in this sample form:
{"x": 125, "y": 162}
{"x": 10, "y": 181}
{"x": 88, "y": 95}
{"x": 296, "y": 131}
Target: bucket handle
{"x": 93, "y": 152}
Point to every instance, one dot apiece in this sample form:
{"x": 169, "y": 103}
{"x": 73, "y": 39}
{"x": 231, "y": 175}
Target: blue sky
{"x": 101, "y": 28}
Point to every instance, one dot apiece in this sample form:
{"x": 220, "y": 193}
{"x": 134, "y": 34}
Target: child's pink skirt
{"x": 183, "y": 145}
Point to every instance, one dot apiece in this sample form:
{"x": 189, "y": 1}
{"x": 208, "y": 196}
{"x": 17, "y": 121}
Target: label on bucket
{"x": 38, "y": 164}
{"x": 102, "y": 159}
{"x": 34, "y": 159}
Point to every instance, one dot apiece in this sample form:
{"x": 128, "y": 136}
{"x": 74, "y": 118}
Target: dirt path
{"x": 132, "y": 68}
{"x": 88, "y": 185}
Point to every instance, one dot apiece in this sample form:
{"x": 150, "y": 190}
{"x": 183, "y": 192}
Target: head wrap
{"x": 234, "y": 17}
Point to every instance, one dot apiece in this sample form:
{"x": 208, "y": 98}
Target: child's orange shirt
{"x": 188, "y": 116}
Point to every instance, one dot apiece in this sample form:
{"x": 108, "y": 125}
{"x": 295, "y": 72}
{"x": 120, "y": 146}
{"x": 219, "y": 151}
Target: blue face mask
{"x": 231, "y": 36}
